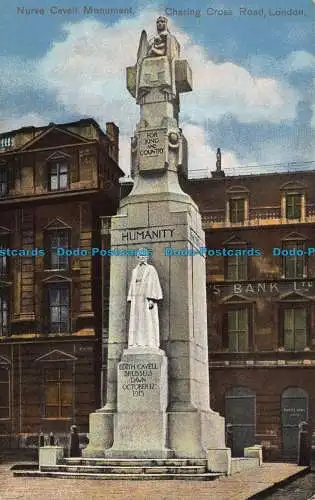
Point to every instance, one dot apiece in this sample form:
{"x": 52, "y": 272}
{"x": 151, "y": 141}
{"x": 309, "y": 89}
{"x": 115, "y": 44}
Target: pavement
{"x": 241, "y": 486}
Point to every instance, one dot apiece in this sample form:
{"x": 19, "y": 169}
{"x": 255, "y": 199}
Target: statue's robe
{"x": 144, "y": 322}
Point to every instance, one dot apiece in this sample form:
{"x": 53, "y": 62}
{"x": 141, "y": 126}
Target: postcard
{"x": 157, "y": 254}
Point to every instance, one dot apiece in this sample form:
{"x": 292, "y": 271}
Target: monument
{"x": 157, "y": 398}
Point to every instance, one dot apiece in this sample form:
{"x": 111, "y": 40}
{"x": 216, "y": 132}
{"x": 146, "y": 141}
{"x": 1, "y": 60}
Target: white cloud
{"x": 300, "y": 60}
{"x": 87, "y": 72}
{"x": 297, "y": 61}
{"x": 227, "y": 88}
{"x": 202, "y": 158}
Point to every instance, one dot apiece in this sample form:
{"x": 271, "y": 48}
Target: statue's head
{"x": 143, "y": 255}
{"x": 161, "y": 24}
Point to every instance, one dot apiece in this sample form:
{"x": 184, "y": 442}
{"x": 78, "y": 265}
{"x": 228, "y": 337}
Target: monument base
{"x": 139, "y": 453}
{"x": 193, "y": 433}
{"x": 100, "y": 434}
{"x": 140, "y": 424}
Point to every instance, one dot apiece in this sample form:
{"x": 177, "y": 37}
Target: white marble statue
{"x": 144, "y": 293}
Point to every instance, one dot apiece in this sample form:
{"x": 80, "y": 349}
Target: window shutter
{"x": 243, "y": 329}
{"x": 300, "y": 327}
{"x": 288, "y": 328}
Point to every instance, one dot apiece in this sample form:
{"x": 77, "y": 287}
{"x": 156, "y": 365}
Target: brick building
{"x": 261, "y": 310}
{"x": 55, "y": 182}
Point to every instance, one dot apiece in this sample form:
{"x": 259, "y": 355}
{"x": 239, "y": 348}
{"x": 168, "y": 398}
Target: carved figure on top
{"x": 164, "y": 44}
{"x": 158, "y": 66}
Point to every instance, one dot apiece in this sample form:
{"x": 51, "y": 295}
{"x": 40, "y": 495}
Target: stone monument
{"x": 157, "y": 401}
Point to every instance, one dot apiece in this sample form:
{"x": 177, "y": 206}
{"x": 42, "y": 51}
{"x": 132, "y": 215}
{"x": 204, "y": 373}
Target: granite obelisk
{"x": 158, "y": 397}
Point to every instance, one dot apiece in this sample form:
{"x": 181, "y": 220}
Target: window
{"x": 295, "y": 328}
{"x": 58, "y": 308}
{"x": 4, "y": 392}
{"x": 237, "y": 209}
{"x": 58, "y": 391}
{"x": 4, "y": 313}
{"x": 57, "y": 239}
{"x": 293, "y": 265}
{"x": 238, "y": 330}
{"x": 236, "y": 268}
{"x": 3, "y": 258}
{"x": 58, "y": 176}
{"x": 293, "y": 206}
{"x": 4, "y": 181}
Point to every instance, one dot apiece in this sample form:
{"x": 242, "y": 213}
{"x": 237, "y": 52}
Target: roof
{"x": 30, "y": 128}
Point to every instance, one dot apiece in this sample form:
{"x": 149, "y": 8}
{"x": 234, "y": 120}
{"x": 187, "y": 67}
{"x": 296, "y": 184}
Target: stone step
{"x": 135, "y": 462}
{"x": 209, "y": 476}
{"x": 110, "y": 469}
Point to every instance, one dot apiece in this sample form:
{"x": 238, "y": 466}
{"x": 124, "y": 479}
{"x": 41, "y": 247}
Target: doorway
{"x": 294, "y": 409}
{"x": 240, "y": 411}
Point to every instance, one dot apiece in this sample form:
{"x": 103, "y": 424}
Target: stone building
{"x": 261, "y": 313}
{"x": 55, "y": 182}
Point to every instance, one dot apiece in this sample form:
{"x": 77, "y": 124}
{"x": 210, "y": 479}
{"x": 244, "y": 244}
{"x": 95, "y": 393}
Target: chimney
{"x": 112, "y": 132}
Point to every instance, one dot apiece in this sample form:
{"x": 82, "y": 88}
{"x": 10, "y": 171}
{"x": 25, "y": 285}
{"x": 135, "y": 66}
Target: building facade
{"x": 55, "y": 182}
{"x": 261, "y": 310}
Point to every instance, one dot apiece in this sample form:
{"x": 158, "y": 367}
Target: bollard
{"x": 74, "y": 450}
{"x": 41, "y": 440}
{"x": 51, "y": 439}
{"x": 304, "y": 448}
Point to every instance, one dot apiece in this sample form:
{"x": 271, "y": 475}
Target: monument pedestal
{"x": 140, "y": 424}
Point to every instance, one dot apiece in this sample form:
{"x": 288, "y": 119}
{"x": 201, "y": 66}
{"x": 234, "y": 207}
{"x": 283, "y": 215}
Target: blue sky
{"x": 253, "y": 72}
